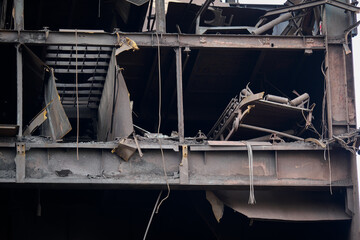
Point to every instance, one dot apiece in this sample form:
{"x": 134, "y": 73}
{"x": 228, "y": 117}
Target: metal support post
{"x": 328, "y": 82}
{"x": 19, "y": 83}
{"x": 160, "y": 16}
{"x": 179, "y": 87}
{"x": 20, "y": 162}
{"x": 19, "y": 14}
{"x": 184, "y": 166}
{"x": 354, "y": 194}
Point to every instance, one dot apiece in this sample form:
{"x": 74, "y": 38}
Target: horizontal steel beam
{"x": 165, "y": 40}
{"x": 226, "y": 168}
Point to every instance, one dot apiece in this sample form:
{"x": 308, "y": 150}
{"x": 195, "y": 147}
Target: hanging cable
{"x": 152, "y": 215}
{"x": 159, "y": 125}
{"x": 77, "y": 95}
{"x": 327, "y": 157}
{"x": 251, "y": 174}
{"x": 323, "y": 114}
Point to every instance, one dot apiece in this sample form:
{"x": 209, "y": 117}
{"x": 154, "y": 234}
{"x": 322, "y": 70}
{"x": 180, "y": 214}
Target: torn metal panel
{"x": 216, "y": 204}
{"x": 282, "y": 205}
{"x": 106, "y": 105}
{"x": 122, "y": 124}
{"x": 58, "y": 124}
{"x": 36, "y": 122}
{"x": 34, "y": 75}
{"x": 114, "y": 113}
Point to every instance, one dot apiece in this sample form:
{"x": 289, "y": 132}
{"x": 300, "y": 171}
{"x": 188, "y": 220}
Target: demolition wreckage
{"x": 232, "y": 106}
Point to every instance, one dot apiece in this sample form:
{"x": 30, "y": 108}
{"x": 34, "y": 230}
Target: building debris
{"x": 274, "y": 205}
{"x": 36, "y": 122}
{"x": 63, "y": 173}
{"x": 124, "y": 150}
{"x": 58, "y": 124}
{"x": 118, "y": 71}
{"x": 244, "y": 116}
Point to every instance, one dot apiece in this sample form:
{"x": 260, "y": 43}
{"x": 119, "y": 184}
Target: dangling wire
{"x": 152, "y": 215}
{"x": 159, "y": 125}
{"x": 251, "y": 174}
{"x": 327, "y": 157}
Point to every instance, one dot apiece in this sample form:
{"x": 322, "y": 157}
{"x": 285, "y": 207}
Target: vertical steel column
{"x": 327, "y": 81}
{"x": 179, "y": 88}
{"x": 160, "y": 16}
{"x": 19, "y": 14}
{"x": 355, "y": 222}
{"x": 19, "y": 25}
{"x": 19, "y": 93}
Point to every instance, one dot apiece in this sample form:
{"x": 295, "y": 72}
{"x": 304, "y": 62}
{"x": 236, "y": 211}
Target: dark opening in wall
{"x": 113, "y": 214}
{"x": 211, "y": 78}
{"x": 84, "y": 14}
{"x": 142, "y": 79}
{"x": 8, "y": 89}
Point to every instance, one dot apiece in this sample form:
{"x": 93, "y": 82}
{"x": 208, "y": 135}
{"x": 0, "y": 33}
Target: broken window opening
{"x": 106, "y": 213}
{"x": 84, "y": 14}
{"x": 8, "y": 89}
{"x": 50, "y": 100}
{"x": 211, "y": 78}
{"x": 207, "y": 17}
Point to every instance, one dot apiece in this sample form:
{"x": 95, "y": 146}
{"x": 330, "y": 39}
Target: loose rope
{"x": 159, "y": 125}
{"x": 251, "y": 174}
{"x": 152, "y": 215}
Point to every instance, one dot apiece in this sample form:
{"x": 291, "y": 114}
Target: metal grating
{"x": 92, "y": 67}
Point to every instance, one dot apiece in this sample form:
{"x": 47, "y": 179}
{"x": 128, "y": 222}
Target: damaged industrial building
{"x": 196, "y": 119}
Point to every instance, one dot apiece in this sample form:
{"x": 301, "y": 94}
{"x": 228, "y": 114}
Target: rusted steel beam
{"x": 355, "y": 223}
{"x": 165, "y": 40}
{"x": 341, "y": 90}
{"x": 204, "y": 168}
